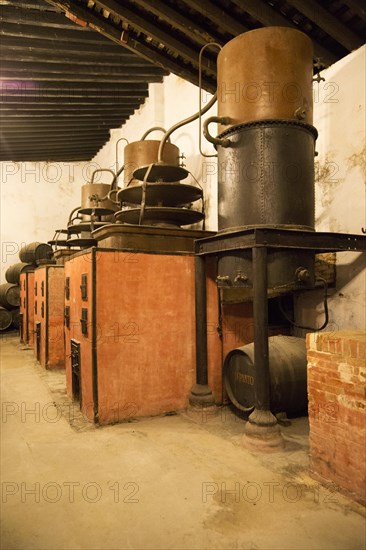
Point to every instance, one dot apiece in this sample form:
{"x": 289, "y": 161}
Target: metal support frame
{"x": 260, "y": 309}
{"x": 262, "y": 424}
{"x": 262, "y": 430}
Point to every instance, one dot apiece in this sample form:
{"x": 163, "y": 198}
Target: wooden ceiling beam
{"x": 74, "y": 88}
{"x": 49, "y": 59}
{"x": 63, "y": 132}
{"x": 108, "y": 30}
{"x": 60, "y": 102}
{"x": 65, "y": 109}
{"x": 150, "y": 28}
{"x": 41, "y": 18}
{"x": 328, "y": 23}
{"x": 220, "y": 17}
{"x": 30, "y": 76}
{"x": 104, "y": 48}
{"x": 358, "y": 7}
{"x": 104, "y": 70}
{"x": 61, "y": 158}
{"x": 268, "y": 16}
{"x": 177, "y": 20}
{"x": 51, "y": 124}
{"x": 50, "y": 34}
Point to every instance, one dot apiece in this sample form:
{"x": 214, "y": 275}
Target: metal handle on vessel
{"x": 103, "y": 170}
{"x": 117, "y": 161}
{"x": 224, "y": 142}
{"x": 71, "y": 219}
{"x": 112, "y": 192}
{"x": 112, "y": 182}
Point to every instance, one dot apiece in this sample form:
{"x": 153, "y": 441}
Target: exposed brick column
{"x": 337, "y": 409}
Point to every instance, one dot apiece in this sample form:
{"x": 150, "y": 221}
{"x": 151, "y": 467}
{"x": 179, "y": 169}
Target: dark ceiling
{"x": 63, "y": 86}
{"x": 94, "y": 84}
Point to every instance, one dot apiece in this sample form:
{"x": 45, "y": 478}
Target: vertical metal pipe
{"x": 201, "y": 321}
{"x": 260, "y": 310}
{"x": 95, "y": 387}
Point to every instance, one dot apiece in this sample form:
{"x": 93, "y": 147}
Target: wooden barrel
{"x": 33, "y": 252}
{"x": 287, "y": 372}
{"x": 12, "y": 274}
{"x": 15, "y": 317}
{"x": 5, "y": 318}
{"x": 9, "y": 295}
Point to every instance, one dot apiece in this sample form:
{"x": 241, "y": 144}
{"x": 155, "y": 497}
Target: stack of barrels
{"x": 30, "y": 256}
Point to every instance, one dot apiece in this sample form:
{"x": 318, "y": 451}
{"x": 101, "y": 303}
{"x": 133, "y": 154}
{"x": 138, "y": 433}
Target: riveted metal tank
{"x": 142, "y": 153}
{"x": 266, "y": 74}
{"x": 266, "y": 179}
{"x": 266, "y": 175}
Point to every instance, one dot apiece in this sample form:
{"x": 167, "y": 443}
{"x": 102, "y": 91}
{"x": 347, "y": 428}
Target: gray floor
{"x": 158, "y": 483}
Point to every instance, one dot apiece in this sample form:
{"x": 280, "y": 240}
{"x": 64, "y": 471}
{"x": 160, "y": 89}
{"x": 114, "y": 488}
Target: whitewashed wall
{"x": 340, "y": 118}
{"x": 36, "y": 199}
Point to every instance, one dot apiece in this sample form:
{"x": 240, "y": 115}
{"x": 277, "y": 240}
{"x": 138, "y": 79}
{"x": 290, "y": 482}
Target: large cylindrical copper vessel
{"x": 94, "y": 195}
{"x": 145, "y": 152}
{"x": 266, "y": 74}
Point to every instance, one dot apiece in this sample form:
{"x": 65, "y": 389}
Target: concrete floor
{"x": 157, "y": 483}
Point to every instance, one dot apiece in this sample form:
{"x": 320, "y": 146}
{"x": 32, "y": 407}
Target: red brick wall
{"x": 337, "y": 409}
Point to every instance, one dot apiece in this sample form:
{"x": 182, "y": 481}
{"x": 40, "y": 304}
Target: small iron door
{"x": 38, "y": 340}
{"x": 75, "y": 370}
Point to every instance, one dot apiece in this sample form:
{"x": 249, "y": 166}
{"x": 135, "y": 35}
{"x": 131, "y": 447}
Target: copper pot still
{"x": 266, "y": 74}
{"x": 142, "y": 153}
{"x": 95, "y": 195}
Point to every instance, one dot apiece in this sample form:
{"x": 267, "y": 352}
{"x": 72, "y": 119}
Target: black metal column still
{"x": 201, "y": 394}
{"x": 262, "y": 423}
